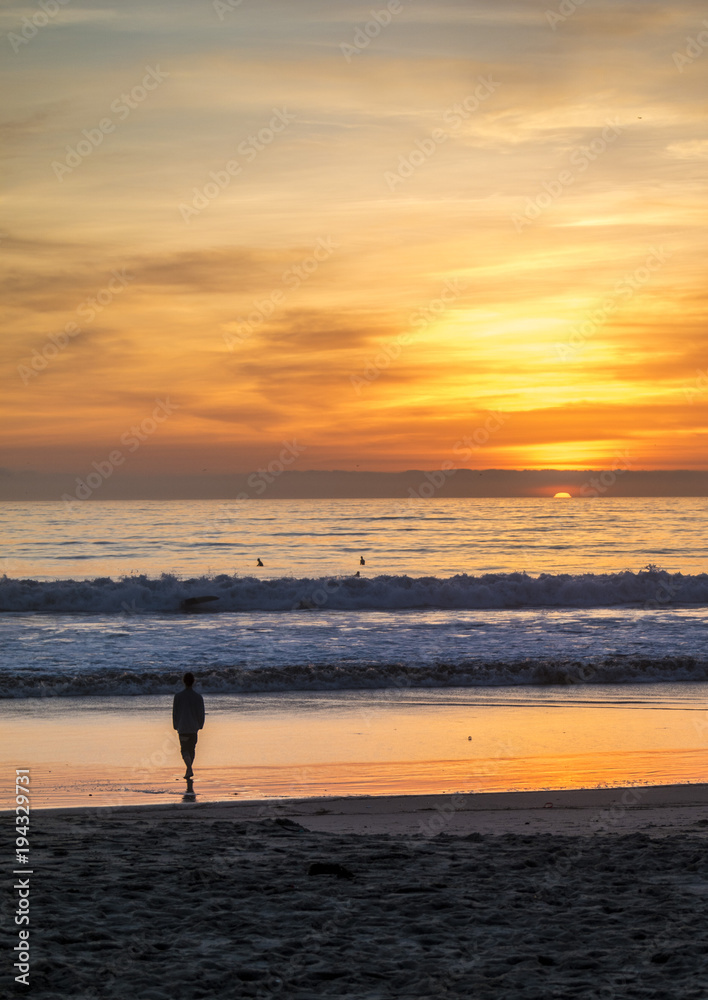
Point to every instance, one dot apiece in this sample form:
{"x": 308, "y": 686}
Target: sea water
{"x": 416, "y": 605}
{"x": 351, "y": 594}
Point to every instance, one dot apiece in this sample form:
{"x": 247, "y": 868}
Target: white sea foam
{"x": 136, "y": 594}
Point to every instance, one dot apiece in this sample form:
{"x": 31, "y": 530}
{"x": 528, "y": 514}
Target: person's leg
{"x": 187, "y": 745}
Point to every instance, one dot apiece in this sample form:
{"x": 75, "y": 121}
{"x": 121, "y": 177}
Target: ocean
{"x": 450, "y": 592}
{"x": 441, "y": 609}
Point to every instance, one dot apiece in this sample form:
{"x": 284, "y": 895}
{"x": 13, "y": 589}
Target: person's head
{"x": 188, "y": 679}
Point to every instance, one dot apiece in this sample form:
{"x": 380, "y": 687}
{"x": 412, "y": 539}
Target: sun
{"x": 562, "y": 496}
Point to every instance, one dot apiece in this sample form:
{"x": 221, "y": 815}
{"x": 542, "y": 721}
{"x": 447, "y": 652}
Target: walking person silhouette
{"x": 188, "y": 719}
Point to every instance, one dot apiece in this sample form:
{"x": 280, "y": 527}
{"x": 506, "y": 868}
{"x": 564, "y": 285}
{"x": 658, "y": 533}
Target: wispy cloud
{"x": 212, "y": 316}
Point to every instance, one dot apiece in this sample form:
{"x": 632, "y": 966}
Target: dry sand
{"x": 592, "y": 894}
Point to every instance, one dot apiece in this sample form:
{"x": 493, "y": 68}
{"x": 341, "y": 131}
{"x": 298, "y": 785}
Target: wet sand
{"x": 599, "y": 893}
{"x": 123, "y": 751}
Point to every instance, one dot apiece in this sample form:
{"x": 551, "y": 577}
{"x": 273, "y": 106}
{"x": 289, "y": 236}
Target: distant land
{"x": 290, "y": 485}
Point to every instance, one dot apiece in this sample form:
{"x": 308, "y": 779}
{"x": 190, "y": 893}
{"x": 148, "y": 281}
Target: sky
{"x": 385, "y": 237}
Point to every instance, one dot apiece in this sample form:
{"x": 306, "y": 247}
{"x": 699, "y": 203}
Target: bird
{"x": 362, "y": 561}
{"x": 259, "y": 563}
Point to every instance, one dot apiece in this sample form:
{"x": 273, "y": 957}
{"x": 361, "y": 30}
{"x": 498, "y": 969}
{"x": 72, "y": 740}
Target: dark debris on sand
{"x": 178, "y": 908}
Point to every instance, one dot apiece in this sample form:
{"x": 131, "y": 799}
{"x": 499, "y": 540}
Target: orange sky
{"x": 475, "y": 216}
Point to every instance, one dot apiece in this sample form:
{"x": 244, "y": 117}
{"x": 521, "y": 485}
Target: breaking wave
{"x": 360, "y": 676}
{"x": 650, "y": 588}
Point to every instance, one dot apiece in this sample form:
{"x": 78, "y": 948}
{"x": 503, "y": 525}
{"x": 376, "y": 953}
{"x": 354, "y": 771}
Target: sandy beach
{"x": 597, "y": 893}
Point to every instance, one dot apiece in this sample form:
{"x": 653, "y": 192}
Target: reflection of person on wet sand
{"x": 188, "y": 719}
